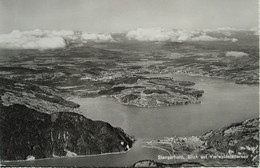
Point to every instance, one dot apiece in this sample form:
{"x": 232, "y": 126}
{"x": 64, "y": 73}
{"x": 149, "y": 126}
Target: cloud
{"x": 30, "y": 40}
{"x": 96, "y": 37}
{"x": 235, "y": 54}
{"x": 209, "y": 38}
{"x": 223, "y": 29}
{"x": 65, "y": 34}
{"x": 152, "y": 34}
{"x": 234, "y": 40}
{"x": 205, "y": 38}
{"x": 46, "y": 39}
{"x": 159, "y": 34}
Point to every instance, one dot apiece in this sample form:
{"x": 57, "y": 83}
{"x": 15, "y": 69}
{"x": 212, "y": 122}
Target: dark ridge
{"x": 151, "y": 163}
{"x": 27, "y": 132}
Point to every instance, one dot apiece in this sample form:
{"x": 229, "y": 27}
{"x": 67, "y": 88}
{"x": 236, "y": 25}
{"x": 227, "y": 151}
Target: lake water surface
{"x": 223, "y": 103}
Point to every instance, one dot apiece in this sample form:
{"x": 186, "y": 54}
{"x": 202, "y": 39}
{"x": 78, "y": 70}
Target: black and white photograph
{"x": 129, "y": 83}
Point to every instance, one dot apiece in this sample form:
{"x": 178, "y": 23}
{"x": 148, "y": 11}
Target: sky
{"x": 122, "y": 15}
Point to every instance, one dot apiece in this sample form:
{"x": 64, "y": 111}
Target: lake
{"x": 223, "y": 103}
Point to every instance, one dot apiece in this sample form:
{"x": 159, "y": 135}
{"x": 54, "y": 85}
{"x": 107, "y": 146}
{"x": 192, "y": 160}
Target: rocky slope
{"x": 238, "y": 139}
{"x": 37, "y": 123}
{"x": 40, "y": 98}
{"x": 26, "y": 132}
{"x": 235, "y": 145}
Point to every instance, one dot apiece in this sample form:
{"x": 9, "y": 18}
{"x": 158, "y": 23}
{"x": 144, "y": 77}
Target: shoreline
{"x": 78, "y": 156}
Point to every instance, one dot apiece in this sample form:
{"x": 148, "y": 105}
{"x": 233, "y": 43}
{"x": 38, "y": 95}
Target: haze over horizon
{"x": 123, "y": 15}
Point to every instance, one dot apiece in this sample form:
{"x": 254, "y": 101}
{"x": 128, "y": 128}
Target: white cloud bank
{"x": 96, "y": 37}
{"x": 45, "y": 39}
{"x": 235, "y": 54}
{"x": 30, "y": 40}
{"x": 159, "y": 34}
{"x": 151, "y": 35}
{"x": 205, "y": 38}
